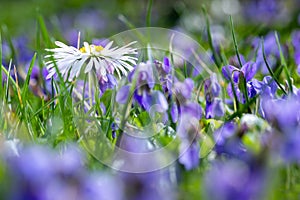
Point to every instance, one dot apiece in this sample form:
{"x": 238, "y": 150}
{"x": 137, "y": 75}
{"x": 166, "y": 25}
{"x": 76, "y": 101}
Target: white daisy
{"x": 70, "y": 60}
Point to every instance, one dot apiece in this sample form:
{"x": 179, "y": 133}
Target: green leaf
{"x": 27, "y": 80}
{"x": 143, "y": 119}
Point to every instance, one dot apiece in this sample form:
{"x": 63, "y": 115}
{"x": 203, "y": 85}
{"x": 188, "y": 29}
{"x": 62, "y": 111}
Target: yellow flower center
{"x": 92, "y": 49}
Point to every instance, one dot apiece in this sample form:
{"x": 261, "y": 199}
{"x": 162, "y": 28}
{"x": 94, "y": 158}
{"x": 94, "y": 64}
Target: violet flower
{"x": 296, "y": 45}
{"x": 264, "y": 11}
{"x": 188, "y": 131}
{"x": 247, "y": 72}
{"x": 284, "y": 114}
{"x": 234, "y": 179}
{"x": 228, "y": 144}
{"x": 214, "y": 105}
{"x": 144, "y": 94}
{"x": 183, "y": 104}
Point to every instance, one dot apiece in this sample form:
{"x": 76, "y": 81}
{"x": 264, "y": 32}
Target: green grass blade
{"x": 283, "y": 63}
{"x": 44, "y": 30}
{"x": 235, "y": 42}
{"x": 217, "y": 58}
{"x": 7, "y": 80}
{"x": 149, "y": 9}
{"x": 269, "y": 68}
{"x": 27, "y": 80}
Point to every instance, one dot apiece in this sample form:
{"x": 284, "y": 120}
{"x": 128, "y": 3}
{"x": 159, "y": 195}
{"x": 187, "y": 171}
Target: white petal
{"x": 108, "y": 45}
{"x": 87, "y": 47}
{"x": 89, "y": 66}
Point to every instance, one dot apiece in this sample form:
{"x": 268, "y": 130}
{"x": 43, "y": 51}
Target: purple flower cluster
{"x": 39, "y": 173}
{"x": 234, "y": 179}
{"x": 156, "y": 88}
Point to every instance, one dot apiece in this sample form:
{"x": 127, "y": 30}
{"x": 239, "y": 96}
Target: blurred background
{"x": 20, "y": 21}
{"x": 103, "y": 16}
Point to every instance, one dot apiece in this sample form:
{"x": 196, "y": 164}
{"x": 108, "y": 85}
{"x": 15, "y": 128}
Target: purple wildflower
{"x": 235, "y": 179}
{"x": 229, "y": 143}
{"x": 247, "y": 72}
{"x": 214, "y": 105}
{"x": 188, "y": 132}
{"x": 144, "y": 94}
{"x": 296, "y": 45}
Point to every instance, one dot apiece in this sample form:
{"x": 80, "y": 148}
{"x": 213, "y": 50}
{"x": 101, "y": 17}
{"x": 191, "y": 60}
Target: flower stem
{"x": 269, "y": 68}
{"x": 235, "y": 43}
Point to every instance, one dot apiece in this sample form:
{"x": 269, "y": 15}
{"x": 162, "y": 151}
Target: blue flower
{"x": 296, "y": 45}
{"x": 144, "y": 93}
{"x": 214, "y": 105}
{"x": 234, "y": 179}
{"x": 188, "y": 131}
{"x": 284, "y": 114}
{"x": 229, "y": 143}
{"x": 182, "y": 93}
{"x": 236, "y": 75}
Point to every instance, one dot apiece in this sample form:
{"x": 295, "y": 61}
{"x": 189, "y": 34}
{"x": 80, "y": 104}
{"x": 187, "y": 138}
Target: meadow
{"x": 150, "y": 100}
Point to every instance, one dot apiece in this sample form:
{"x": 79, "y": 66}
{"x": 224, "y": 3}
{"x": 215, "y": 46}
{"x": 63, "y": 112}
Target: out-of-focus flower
{"x": 37, "y": 83}
{"x": 235, "y": 179}
{"x": 42, "y": 174}
{"x": 214, "y": 105}
{"x": 102, "y": 186}
{"x": 183, "y": 104}
{"x": 289, "y": 148}
{"x": 166, "y": 79}
{"x": 188, "y": 131}
{"x": 149, "y": 185}
{"x": 271, "y": 51}
{"x": 296, "y": 45}
{"x": 229, "y": 143}
{"x": 284, "y": 114}
{"x": 265, "y": 11}
{"x": 86, "y": 94}
{"x": 183, "y": 90}
{"x": 104, "y": 60}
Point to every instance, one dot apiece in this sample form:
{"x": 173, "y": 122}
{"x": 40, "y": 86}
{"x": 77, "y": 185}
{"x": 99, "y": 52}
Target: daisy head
{"x": 70, "y": 61}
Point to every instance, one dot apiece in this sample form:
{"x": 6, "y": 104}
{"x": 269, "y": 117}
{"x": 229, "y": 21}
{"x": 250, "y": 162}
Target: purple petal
{"x": 215, "y": 108}
{"x": 122, "y": 94}
{"x": 174, "y": 112}
{"x": 228, "y": 70}
{"x": 297, "y": 57}
{"x": 249, "y": 70}
{"x": 219, "y": 109}
{"x": 166, "y": 65}
{"x": 269, "y": 81}
{"x": 160, "y": 101}
{"x": 209, "y": 110}
{"x": 189, "y": 155}
{"x": 187, "y": 88}
{"x": 192, "y": 109}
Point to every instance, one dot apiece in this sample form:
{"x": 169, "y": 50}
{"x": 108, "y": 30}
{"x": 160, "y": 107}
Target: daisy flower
{"x": 70, "y": 61}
